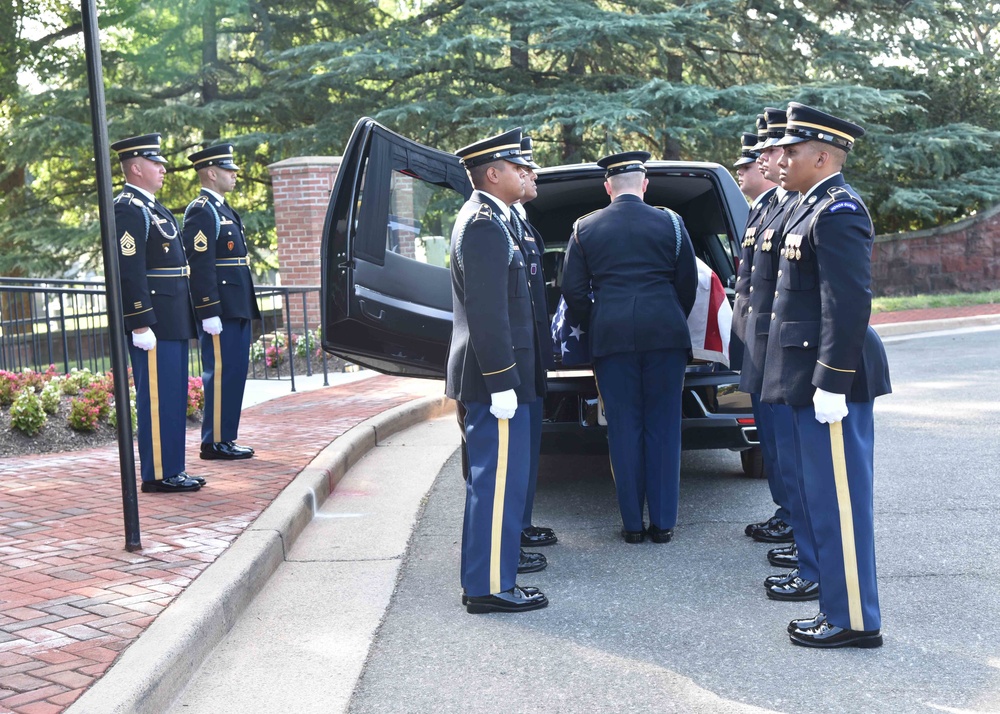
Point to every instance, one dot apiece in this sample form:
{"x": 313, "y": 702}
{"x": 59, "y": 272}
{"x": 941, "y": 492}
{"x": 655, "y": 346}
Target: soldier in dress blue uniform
{"x": 532, "y": 247}
{"x": 768, "y": 202}
{"x": 158, "y": 313}
{"x": 825, "y": 362}
{"x": 222, "y": 289}
{"x": 640, "y": 264}
{"x": 495, "y": 371}
{"x": 801, "y": 582}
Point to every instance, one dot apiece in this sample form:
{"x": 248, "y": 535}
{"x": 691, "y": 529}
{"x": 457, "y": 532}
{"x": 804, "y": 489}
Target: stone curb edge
{"x": 153, "y": 670}
{"x": 895, "y": 329}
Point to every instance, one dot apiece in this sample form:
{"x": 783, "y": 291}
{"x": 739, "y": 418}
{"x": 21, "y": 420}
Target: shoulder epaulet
{"x": 200, "y": 201}
{"x": 124, "y": 196}
{"x": 485, "y": 213}
{"x": 585, "y": 215}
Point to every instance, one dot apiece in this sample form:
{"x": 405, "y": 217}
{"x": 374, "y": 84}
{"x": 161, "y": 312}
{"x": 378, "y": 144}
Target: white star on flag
{"x": 564, "y": 348}
{"x": 576, "y": 331}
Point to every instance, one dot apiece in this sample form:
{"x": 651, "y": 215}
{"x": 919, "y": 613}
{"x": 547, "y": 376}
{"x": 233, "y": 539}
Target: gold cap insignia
{"x": 201, "y": 242}
{"x": 128, "y": 244}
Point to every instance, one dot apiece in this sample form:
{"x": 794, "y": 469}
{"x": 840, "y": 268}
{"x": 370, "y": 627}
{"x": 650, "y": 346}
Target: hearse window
{"x": 421, "y": 216}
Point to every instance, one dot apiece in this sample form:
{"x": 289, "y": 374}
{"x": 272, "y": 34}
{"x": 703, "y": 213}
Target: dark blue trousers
{"x": 225, "y": 359}
{"x": 837, "y": 478}
{"x": 161, "y": 384}
{"x": 535, "y": 414}
{"x": 494, "y": 498}
{"x": 764, "y": 419}
{"x": 790, "y": 468}
{"x": 641, "y": 392}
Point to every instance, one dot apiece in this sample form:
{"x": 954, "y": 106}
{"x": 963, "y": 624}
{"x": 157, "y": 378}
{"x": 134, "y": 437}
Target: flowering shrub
{"x": 51, "y": 396}
{"x": 26, "y": 414}
{"x": 99, "y": 397}
{"x": 10, "y": 385}
{"x": 77, "y": 380}
{"x": 113, "y": 414}
{"x": 196, "y": 396}
{"x": 274, "y": 356}
{"x": 304, "y": 344}
{"x": 83, "y": 414}
{"x": 33, "y": 380}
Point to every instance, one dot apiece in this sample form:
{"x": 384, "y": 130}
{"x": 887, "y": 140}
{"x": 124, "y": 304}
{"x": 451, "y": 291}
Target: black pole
{"x": 112, "y": 282}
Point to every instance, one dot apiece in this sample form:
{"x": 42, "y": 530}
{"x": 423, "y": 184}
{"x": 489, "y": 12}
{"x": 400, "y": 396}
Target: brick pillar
{"x": 301, "y": 188}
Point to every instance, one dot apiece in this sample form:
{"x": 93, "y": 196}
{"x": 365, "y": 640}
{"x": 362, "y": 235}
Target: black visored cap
{"x": 147, "y": 146}
{"x": 808, "y": 124}
{"x": 220, "y": 155}
{"x": 505, "y": 147}
{"x": 624, "y": 162}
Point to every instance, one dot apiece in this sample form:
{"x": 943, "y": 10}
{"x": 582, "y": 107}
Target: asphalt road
{"x": 685, "y": 627}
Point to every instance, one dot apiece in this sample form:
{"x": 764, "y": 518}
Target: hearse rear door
{"x": 386, "y": 285}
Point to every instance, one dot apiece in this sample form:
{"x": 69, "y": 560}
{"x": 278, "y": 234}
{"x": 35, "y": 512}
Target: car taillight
{"x": 745, "y": 421}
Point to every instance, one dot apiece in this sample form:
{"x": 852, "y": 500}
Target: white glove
{"x": 504, "y": 404}
{"x": 830, "y": 407}
{"x": 212, "y": 325}
{"x": 144, "y": 340}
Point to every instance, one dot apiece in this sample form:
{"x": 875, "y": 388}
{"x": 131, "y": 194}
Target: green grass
{"x": 918, "y": 302}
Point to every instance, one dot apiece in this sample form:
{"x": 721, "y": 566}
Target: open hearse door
{"x": 386, "y": 284}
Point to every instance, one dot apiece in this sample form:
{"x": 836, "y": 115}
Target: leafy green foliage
{"x": 585, "y": 77}
{"x": 27, "y": 414}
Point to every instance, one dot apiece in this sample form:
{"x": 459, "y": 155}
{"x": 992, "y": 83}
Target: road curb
{"x": 897, "y": 329}
{"x": 154, "y": 669}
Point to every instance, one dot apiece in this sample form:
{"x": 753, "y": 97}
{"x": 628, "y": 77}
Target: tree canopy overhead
{"x": 679, "y": 78}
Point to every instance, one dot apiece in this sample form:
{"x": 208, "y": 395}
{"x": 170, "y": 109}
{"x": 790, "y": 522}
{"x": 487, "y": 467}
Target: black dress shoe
{"x": 241, "y": 449}
{"x": 781, "y": 579}
{"x": 197, "y": 479}
{"x": 514, "y": 600}
{"x": 827, "y": 636}
{"x": 634, "y": 536}
{"x": 171, "y": 484}
{"x": 796, "y": 589}
{"x": 527, "y": 590}
{"x": 536, "y": 536}
{"x": 787, "y": 557}
{"x": 762, "y": 525}
{"x": 531, "y": 562}
{"x": 223, "y": 450}
{"x": 660, "y": 535}
{"x": 806, "y": 623}
{"x": 778, "y": 532}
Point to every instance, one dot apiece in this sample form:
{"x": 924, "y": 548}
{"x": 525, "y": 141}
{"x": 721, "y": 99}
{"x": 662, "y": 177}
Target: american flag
{"x": 569, "y": 341}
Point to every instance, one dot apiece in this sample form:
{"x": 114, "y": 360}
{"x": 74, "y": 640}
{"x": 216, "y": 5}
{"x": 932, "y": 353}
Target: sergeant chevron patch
{"x": 201, "y": 242}
{"x": 128, "y": 244}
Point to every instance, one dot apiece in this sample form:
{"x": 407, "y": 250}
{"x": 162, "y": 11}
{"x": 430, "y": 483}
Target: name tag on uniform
{"x": 225, "y": 222}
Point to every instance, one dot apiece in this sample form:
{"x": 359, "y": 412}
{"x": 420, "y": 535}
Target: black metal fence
{"x": 65, "y": 323}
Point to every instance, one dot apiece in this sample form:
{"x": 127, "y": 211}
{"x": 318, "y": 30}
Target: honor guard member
{"x": 222, "y": 290}
{"x": 801, "y": 583}
{"x": 827, "y": 364}
{"x": 156, "y": 301}
{"x": 640, "y": 264}
{"x": 494, "y": 371}
{"x": 532, "y": 247}
{"x": 758, "y": 191}
{"x": 775, "y": 529}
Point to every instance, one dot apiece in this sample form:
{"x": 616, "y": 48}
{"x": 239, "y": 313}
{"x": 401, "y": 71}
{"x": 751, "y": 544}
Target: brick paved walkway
{"x": 72, "y": 598}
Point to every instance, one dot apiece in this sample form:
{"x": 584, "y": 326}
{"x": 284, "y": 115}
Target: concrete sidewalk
{"x": 73, "y": 600}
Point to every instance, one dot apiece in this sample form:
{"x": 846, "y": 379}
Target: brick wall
{"x": 301, "y": 188}
{"x": 960, "y": 257}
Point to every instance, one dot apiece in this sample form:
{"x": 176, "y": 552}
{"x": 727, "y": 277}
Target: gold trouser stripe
{"x": 499, "y": 491}
{"x": 154, "y": 414}
{"x": 600, "y": 403}
{"x": 217, "y": 390}
{"x": 846, "y": 526}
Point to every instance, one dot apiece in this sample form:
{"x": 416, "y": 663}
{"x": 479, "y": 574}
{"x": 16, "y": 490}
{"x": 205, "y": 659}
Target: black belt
{"x": 169, "y": 272}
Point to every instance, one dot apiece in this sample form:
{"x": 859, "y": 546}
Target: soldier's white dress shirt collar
{"x": 217, "y": 196}
{"x": 808, "y": 193}
{"x": 781, "y": 193}
{"x": 143, "y": 191}
{"x": 519, "y": 210}
{"x": 759, "y": 200}
{"x": 504, "y": 208}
